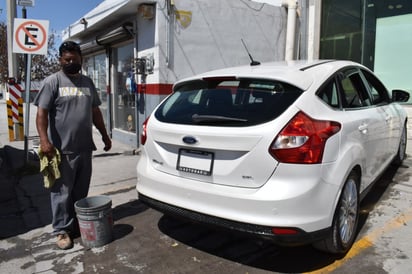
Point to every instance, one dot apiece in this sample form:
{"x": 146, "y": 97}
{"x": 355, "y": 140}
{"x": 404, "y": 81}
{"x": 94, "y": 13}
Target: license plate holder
{"x": 195, "y": 161}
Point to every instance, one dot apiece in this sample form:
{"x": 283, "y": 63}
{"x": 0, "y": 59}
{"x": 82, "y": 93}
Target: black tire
{"x": 401, "y": 154}
{"x": 345, "y": 220}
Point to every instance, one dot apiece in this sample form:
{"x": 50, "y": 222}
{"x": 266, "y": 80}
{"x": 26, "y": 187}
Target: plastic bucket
{"x": 95, "y": 220}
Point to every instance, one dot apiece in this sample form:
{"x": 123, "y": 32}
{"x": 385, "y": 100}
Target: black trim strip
{"x": 317, "y": 64}
{"x": 300, "y": 238}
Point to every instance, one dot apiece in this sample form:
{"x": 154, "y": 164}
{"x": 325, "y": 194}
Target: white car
{"x": 280, "y": 150}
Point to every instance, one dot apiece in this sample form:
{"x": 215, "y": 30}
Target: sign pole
{"x": 27, "y": 59}
{"x": 27, "y": 112}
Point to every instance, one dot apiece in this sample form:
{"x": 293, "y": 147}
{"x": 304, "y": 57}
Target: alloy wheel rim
{"x": 348, "y": 211}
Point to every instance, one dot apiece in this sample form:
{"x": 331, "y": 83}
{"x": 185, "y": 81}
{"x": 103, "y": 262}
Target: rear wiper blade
{"x": 215, "y": 118}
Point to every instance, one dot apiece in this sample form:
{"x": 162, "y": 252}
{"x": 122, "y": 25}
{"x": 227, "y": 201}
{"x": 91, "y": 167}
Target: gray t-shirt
{"x": 69, "y": 101}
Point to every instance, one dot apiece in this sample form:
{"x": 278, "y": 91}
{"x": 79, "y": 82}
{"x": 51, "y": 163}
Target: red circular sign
{"x": 27, "y": 33}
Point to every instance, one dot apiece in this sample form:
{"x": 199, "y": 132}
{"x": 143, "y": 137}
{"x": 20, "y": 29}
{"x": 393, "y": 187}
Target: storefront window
{"x": 376, "y": 33}
{"x": 96, "y": 69}
{"x": 341, "y": 30}
{"x": 124, "y": 88}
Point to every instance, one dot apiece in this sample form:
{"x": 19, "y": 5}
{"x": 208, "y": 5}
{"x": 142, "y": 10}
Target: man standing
{"x": 68, "y": 107}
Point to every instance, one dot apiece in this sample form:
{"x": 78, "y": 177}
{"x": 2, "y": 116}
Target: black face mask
{"x": 71, "y": 68}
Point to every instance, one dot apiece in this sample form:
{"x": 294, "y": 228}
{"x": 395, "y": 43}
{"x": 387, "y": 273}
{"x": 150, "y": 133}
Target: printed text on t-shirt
{"x": 74, "y": 91}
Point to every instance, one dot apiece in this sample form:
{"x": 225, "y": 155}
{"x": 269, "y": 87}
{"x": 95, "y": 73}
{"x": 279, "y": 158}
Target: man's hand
{"x": 48, "y": 149}
{"x": 107, "y": 143}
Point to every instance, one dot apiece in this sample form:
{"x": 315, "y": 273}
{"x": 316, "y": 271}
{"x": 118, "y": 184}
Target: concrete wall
{"x": 195, "y": 36}
{"x": 211, "y": 37}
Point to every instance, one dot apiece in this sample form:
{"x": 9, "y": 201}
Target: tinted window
{"x": 377, "y": 90}
{"x": 228, "y": 102}
{"x": 329, "y": 94}
{"x": 355, "y": 94}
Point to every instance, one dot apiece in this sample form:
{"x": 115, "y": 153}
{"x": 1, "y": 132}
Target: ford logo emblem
{"x": 189, "y": 140}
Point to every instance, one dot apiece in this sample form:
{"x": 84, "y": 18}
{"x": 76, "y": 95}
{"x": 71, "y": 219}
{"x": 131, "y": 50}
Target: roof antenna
{"x": 252, "y": 62}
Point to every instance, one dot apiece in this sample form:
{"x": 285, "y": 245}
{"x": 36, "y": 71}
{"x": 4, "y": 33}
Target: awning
{"x": 109, "y": 13}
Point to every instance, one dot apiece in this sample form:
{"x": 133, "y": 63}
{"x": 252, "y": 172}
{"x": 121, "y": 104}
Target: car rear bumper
{"x": 302, "y": 200}
{"x": 299, "y": 238}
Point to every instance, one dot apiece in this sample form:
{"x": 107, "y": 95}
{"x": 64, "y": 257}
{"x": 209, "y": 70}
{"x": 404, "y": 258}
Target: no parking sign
{"x": 30, "y": 36}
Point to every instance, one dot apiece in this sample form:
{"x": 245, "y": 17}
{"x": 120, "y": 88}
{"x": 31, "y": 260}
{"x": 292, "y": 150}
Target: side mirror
{"x": 399, "y": 95}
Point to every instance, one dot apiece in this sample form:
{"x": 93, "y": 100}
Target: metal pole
{"x": 12, "y": 57}
{"x": 108, "y": 92}
{"x": 27, "y": 59}
{"x": 27, "y": 120}
{"x": 137, "y": 102}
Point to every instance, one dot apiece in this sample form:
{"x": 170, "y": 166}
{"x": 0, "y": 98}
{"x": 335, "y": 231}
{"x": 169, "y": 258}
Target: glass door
{"x": 393, "y": 58}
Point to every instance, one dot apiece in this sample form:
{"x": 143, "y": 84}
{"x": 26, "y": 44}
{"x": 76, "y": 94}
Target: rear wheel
{"x": 345, "y": 220}
{"x": 401, "y": 155}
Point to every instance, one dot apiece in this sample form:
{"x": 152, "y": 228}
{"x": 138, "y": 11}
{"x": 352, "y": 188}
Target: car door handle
{"x": 388, "y": 118}
{"x": 363, "y": 128}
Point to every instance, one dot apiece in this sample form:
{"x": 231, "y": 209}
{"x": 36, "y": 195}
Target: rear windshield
{"x": 228, "y": 102}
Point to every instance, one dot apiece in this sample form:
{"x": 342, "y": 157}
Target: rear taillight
{"x": 302, "y": 140}
{"x": 143, "y": 136}
{"x": 284, "y": 231}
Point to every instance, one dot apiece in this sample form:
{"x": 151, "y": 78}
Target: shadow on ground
{"x": 24, "y": 202}
{"x": 122, "y": 211}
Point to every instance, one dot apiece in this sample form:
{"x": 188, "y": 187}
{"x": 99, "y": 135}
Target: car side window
{"x": 329, "y": 93}
{"x": 355, "y": 94}
{"x": 377, "y": 90}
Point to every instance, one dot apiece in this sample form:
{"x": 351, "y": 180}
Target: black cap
{"x": 69, "y": 46}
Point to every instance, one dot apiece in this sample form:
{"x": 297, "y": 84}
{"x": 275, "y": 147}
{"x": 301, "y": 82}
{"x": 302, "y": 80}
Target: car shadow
{"x": 264, "y": 254}
{"x": 255, "y": 252}
{"x": 132, "y": 208}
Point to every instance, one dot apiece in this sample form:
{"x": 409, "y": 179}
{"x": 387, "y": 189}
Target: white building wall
{"x": 206, "y": 35}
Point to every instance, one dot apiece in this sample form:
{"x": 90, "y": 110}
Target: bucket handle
{"x": 103, "y": 214}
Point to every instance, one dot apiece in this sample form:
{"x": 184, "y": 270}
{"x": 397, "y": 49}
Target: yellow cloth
{"x": 50, "y": 168}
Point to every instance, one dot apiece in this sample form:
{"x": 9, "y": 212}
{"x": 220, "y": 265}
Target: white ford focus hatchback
{"x": 281, "y": 150}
